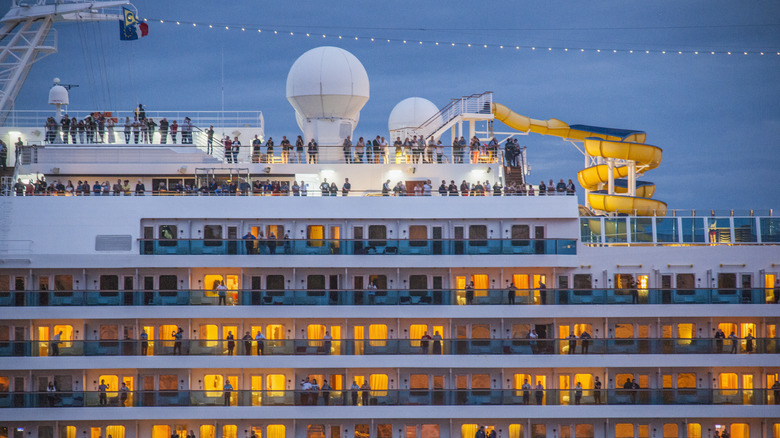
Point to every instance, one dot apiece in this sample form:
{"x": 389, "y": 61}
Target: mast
{"x": 24, "y": 35}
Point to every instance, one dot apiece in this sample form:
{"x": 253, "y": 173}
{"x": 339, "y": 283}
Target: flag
{"x": 129, "y": 25}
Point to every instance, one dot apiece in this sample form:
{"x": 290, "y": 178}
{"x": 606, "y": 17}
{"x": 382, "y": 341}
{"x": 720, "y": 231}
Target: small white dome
{"x": 411, "y": 113}
{"x": 58, "y": 94}
{"x": 327, "y": 82}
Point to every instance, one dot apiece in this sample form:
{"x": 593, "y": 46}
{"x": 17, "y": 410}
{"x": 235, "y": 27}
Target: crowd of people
{"x": 99, "y": 128}
{"x": 258, "y": 187}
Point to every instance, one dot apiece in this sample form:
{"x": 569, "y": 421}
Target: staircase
{"x": 475, "y": 104}
{"x": 516, "y": 174}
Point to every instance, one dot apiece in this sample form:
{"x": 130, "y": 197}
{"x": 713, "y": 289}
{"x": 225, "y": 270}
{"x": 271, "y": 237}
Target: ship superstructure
{"x": 217, "y": 301}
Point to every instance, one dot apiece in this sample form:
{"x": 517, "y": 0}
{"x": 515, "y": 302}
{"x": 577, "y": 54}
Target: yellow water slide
{"x": 607, "y": 143}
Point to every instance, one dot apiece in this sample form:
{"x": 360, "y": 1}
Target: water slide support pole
{"x": 587, "y": 201}
{"x": 611, "y": 175}
{"x": 632, "y": 178}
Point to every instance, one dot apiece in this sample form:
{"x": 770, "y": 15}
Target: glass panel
{"x": 418, "y": 235}
{"x": 642, "y": 230}
{"x": 719, "y": 230}
{"x": 615, "y": 230}
{"x": 666, "y": 230}
{"x": 477, "y": 235}
{"x": 744, "y": 229}
{"x": 590, "y": 230}
{"x": 693, "y": 229}
{"x": 770, "y": 229}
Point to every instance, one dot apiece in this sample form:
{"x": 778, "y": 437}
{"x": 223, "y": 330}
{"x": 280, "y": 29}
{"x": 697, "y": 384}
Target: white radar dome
{"x": 58, "y": 95}
{"x": 411, "y": 113}
{"x": 327, "y": 82}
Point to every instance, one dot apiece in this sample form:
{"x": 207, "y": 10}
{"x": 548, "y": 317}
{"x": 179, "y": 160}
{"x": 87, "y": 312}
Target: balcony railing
{"x": 387, "y": 297}
{"x": 389, "y": 397}
{"x": 358, "y": 247}
{"x": 368, "y": 347}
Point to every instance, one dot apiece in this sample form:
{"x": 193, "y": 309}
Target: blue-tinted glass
{"x": 693, "y": 229}
{"x": 666, "y": 230}
{"x": 590, "y": 230}
{"x": 744, "y": 229}
{"x": 615, "y": 230}
{"x": 770, "y": 229}
{"x": 641, "y": 230}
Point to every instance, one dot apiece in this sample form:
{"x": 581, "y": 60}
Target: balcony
{"x": 387, "y": 297}
{"x": 357, "y": 247}
{"x": 368, "y": 347}
{"x": 389, "y": 397}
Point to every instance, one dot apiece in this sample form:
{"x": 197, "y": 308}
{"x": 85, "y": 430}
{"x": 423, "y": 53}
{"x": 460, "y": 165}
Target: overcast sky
{"x": 717, "y": 117}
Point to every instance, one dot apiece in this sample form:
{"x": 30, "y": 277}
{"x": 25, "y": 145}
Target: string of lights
{"x": 444, "y": 43}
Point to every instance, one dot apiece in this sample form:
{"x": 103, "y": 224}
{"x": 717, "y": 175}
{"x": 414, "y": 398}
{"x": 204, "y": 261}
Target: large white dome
{"x": 411, "y": 113}
{"x": 327, "y": 82}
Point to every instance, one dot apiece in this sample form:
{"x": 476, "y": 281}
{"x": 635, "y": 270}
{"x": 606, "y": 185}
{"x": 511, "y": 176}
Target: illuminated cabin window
{"x": 257, "y": 431}
{"x": 728, "y": 382}
{"x": 315, "y": 431}
{"x": 480, "y": 331}
{"x": 516, "y": 431}
{"x": 65, "y": 432}
{"x": 275, "y": 385}
{"x": 209, "y": 335}
{"x": 520, "y": 331}
{"x": 315, "y": 235}
{"x": 686, "y": 380}
{"x": 468, "y": 430}
{"x": 671, "y": 430}
{"x": 208, "y": 431}
{"x": 314, "y": 332}
{"x": 686, "y": 330}
{"x": 480, "y": 381}
{"x": 770, "y": 291}
{"x": 418, "y": 235}
{"x": 378, "y": 383}
{"x": 377, "y": 334}
{"x": 694, "y": 430}
{"x": 384, "y": 431}
{"x": 624, "y": 430}
{"x": 624, "y": 331}
{"x": 620, "y": 380}
{"x": 113, "y": 384}
{"x": 430, "y": 431}
{"x": 519, "y": 380}
{"x": 740, "y": 430}
{"x": 229, "y": 431}
{"x": 644, "y": 431}
{"x": 775, "y": 430}
{"x": 161, "y": 431}
{"x": 362, "y": 431}
{"x": 276, "y": 431}
{"x": 583, "y": 431}
{"x": 115, "y": 431}
{"x": 418, "y": 381}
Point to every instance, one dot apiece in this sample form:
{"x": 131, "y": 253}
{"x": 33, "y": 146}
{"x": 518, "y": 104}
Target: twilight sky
{"x": 717, "y": 117}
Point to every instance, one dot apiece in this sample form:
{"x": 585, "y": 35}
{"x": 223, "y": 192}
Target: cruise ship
{"x": 183, "y": 291}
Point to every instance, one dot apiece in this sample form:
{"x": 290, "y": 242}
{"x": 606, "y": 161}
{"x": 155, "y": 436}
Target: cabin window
{"x": 418, "y": 282}
{"x": 315, "y": 235}
{"x": 63, "y": 283}
{"x": 229, "y": 431}
{"x": 516, "y": 431}
{"x": 274, "y": 282}
{"x": 480, "y": 381}
{"x": 161, "y": 431}
{"x": 168, "y": 285}
{"x": 377, "y": 333}
{"x": 624, "y": 331}
{"x": 207, "y": 431}
{"x": 109, "y": 284}
{"x": 213, "y": 235}
{"x": 583, "y": 431}
{"x": 377, "y": 235}
{"x": 740, "y": 430}
{"x": 418, "y": 381}
{"x": 167, "y": 235}
{"x": 315, "y": 282}
{"x": 418, "y": 235}
{"x": 686, "y": 380}
{"x": 727, "y": 281}
{"x": 624, "y": 430}
{"x": 694, "y": 430}
{"x": 521, "y": 235}
{"x": 276, "y": 431}
{"x": 685, "y": 281}
{"x": 671, "y": 430}
{"x": 478, "y": 235}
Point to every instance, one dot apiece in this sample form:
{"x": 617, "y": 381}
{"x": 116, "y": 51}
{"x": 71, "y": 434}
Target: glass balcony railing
{"x": 357, "y": 247}
{"x": 391, "y": 297}
{"x": 315, "y": 347}
{"x": 389, "y": 397}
